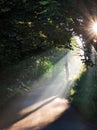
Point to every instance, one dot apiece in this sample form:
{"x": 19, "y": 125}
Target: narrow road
{"x": 45, "y": 106}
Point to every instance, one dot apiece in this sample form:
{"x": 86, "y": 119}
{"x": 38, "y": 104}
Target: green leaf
{"x": 44, "y": 2}
{"x": 43, "y": 12}
{"x": 69, "y": 20}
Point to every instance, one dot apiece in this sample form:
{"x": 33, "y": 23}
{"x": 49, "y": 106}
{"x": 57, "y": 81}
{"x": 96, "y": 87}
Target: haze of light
{"x": 50, "y": 92}
{"x": 94, "y": 28}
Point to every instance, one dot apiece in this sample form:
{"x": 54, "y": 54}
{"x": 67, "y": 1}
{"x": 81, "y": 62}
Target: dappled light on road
{"x": 43, "y": 116}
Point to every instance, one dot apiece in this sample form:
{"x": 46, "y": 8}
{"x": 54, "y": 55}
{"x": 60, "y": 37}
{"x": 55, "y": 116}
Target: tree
{"x": 27, "y": 26}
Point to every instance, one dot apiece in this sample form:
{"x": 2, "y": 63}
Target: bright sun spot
{"x": 94, "y": 28}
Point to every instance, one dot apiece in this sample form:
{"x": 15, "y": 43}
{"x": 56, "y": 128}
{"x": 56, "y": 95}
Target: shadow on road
{"x": 69, "y": 120}
{"x": 19, "y": 117}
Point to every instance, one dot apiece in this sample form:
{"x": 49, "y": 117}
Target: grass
{"x": 85, "y": 94}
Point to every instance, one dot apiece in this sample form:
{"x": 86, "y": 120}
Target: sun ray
{"x": 94, "y": 28}
{"x": 91, "y": 29}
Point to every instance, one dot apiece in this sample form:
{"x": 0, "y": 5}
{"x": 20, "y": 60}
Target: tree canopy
{"x": 28, "y": 26}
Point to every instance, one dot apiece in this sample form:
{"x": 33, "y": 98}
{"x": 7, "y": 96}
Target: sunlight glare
{"x": 94, "y": 28}
{"x": 90, "y": 28}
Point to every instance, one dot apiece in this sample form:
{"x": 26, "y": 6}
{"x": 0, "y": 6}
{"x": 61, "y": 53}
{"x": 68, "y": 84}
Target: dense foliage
{"x": 28, "y": 26}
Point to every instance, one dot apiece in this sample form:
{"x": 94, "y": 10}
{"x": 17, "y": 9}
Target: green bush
{"x": 85, "y": 96}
